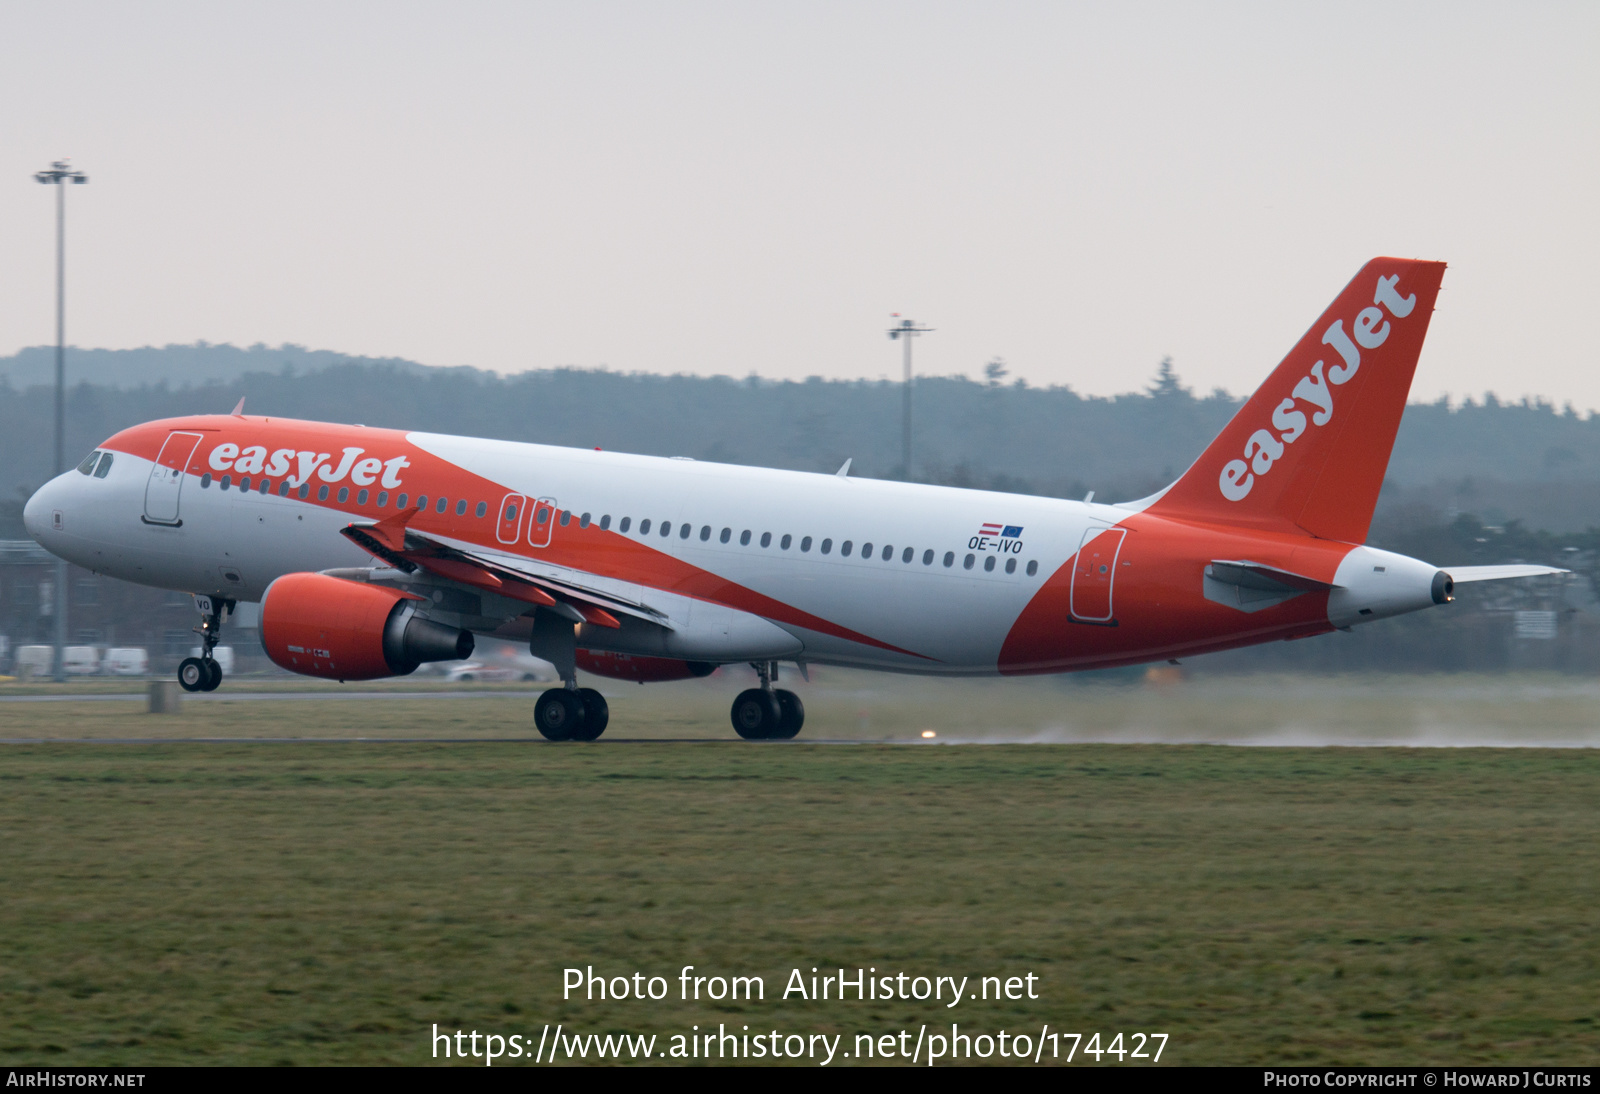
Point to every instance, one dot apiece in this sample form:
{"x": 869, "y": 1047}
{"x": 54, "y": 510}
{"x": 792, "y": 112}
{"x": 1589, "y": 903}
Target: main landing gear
{"x": 767, "y": 713}
{"x": 203, "y": 673}
{"x": 571, "y": 714}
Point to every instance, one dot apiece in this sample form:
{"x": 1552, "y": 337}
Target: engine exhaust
{"x": 409, "y": 641}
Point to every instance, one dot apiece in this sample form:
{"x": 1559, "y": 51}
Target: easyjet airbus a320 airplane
{"x": 374, "y": 550}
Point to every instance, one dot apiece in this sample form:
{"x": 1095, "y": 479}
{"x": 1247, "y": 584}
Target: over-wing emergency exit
{"x": 373, "y": 551}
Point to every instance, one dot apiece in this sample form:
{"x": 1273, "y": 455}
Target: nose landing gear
{"x": 767, "y": 713}
{"x": 203, "y": 673}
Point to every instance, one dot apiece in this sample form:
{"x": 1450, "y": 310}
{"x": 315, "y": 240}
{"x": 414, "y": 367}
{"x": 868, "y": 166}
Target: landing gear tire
{"x": 791, "y": 715}
{"x": 596, "y": 715}
{"x": 193, "y": 674}
{"x": 756, "y": 715}
{"x": 213, "y": 674}
{"x": 559, "y": 715}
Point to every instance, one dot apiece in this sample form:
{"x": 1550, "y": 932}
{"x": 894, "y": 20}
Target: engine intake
{"x": 325, "y": 626}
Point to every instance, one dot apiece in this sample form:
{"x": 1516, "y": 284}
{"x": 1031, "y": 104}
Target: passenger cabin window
{"x": 344, "y": 496}
{"x": 908, "y": 555}
{"x": 766, "y": 539}
{"x": 949, "y": 559}
{"x": 966, "y": 563}
{"x": 844, "y": 549}
{"x": 805, "y": 544}
{"x": 361, "y": 498}
{"x": 666, "y": 529}
{"x": 482, "y": 510}
{"x": 305, "y": 488}
{"x": 866, "y": 550}
{"x": 1033, "y": 567}
{"x": 927, "y": 557}
{"x": 988, "y": 564}
{"x": 566, "y": 517}
{"x": 244, "y": 484}
{"x": 442, "y": 504}
{"x": 744, "y": 538}
{"x": 583, "y": 521}
{"x": 888, "y": 552}
{"x": 705, "y": 533}
{"x": 399, "y": 503}
{"x": 785, "y": 541}
{"x": 644, "y": 527}
{"x": 1011, "y": 565}
{"x": 461, "y": 506}
{"x": 623, "y": 527}
{"x": 605, "y": 522}
{"x": 283, "y": 489}
{"x": 827, "y": 545}
{"x": 683, "y": 532}
{"x": 205, "y": 481}
{"x": 727, "y": 534}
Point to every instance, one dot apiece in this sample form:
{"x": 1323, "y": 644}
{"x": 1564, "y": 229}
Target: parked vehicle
{"x": 126, "y": 661}
{"x": 81, "y": 660}
{"x": 34, "y": 661}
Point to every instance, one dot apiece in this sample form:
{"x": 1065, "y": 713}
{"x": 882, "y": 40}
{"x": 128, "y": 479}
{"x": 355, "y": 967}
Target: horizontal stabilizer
{"x": 1256, "y": 575}
{"x": 1464, "y": 574}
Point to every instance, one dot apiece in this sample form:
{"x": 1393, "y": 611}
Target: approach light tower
{"x": 905, "y": 332}
{"x": 58, "y": 175}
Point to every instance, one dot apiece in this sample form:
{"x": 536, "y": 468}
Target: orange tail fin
{"x": 1309, "y": 449}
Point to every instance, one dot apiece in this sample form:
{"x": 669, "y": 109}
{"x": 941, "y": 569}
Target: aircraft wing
{"x": 1464, "y": 574}
{"x": 399, "y": 546}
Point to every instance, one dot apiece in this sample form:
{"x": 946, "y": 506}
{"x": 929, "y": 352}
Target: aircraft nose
{"x": 39, "y": 514}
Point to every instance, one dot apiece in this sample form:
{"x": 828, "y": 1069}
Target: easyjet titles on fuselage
{"x": 254, "y": 460}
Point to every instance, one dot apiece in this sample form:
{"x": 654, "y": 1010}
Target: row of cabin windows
{"x": 846, "y": 548}
{"x": 685, "y": 530}
{"x": 401, "y": 501}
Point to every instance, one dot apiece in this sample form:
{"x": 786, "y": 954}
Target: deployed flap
{"x": 1463, "y": 574}
{"x": 409, "y": 550}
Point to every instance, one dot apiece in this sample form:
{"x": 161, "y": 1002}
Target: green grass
{"x": 329, "y": 902}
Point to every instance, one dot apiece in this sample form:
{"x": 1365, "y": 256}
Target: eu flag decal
{"x": 1012, "y": 531}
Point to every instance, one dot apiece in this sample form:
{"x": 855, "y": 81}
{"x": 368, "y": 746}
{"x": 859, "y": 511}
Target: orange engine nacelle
{"x": 622, "y": 666}
{"x": 346, "y": 630}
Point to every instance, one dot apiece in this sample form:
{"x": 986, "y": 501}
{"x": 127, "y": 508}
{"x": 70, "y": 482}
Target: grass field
{"x": 328, "y": 902}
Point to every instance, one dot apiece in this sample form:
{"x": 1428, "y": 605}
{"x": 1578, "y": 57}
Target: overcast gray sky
{"x": 737, "y": 187}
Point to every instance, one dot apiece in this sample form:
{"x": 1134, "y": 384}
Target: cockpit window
{"x": 105, "y": 466}
{"x": 87, "y": 466}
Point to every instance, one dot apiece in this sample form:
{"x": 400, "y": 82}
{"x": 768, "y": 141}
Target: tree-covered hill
{"x": 1500, "y": 461}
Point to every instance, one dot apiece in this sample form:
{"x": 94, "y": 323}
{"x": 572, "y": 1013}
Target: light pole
{"x": 58, "y": 175}
{"x": 906, "y": 331}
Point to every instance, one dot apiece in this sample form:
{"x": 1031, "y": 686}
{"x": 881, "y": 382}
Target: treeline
{"x": 1500, "y": 461}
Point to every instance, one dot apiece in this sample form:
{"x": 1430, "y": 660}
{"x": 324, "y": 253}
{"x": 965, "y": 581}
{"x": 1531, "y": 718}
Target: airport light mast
{"x": 905, "y": 332}
{"x": 58, "y": 175}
